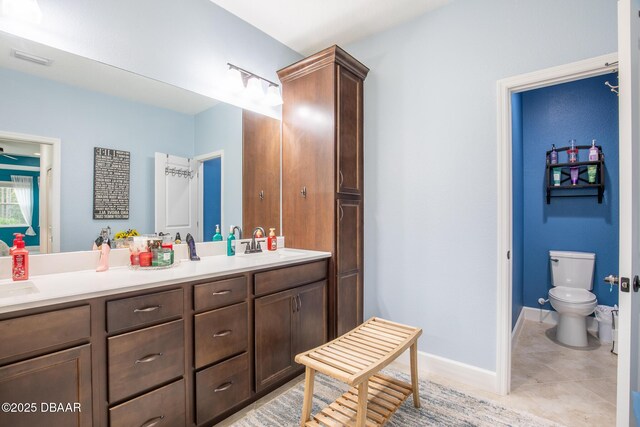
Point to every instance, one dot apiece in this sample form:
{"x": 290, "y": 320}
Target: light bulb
{"x": 273, "y": 98}
{"x": 254, "y": 89}
{"x": 234, "y": 80}
{"x": 22, "y": 10}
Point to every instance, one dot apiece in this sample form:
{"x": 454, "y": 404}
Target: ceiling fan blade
{"x": 10, "y": 157}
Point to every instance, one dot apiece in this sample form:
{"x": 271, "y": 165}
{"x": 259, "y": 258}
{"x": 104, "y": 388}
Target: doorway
{"x": 211, "y": 197}
{"x": 30, "y": 190}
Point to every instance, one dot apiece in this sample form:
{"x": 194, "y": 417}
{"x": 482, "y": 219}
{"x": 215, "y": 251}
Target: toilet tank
{"x": 572, "y": 269}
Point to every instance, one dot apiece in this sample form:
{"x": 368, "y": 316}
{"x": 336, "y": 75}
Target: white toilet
{"x": 572, "y": 279}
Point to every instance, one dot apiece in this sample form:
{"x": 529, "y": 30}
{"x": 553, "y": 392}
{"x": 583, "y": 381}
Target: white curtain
{"x": 23, "y": 186}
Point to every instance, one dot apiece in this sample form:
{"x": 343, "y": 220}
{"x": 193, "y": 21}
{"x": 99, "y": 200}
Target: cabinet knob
{"x": 261, "y": 194}
{"x": 304, "y": 192}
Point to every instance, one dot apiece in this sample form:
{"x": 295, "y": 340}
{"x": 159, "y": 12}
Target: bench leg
{"x": 308, "y": 396}
{"x": 363, "y": 395}
{"x": 414, "y": 374}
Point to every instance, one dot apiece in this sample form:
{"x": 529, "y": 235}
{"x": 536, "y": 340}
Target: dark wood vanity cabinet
{"x": 187, "y": 354}
{"x": 45, "y": 363}
{"x": 290, "y": 317}
{"x": 287, "y": 323}
{"x": 260, "y": 172}
{"x": 323, "y": 172}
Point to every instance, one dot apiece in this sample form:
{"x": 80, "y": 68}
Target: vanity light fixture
{"x": 41, "y": 60}
{"x": 22, "y": 10}
{"x": 240, "y": 80}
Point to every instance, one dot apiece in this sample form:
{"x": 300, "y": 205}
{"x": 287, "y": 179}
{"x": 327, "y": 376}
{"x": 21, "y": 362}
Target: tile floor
{"x": 571, "y": 387}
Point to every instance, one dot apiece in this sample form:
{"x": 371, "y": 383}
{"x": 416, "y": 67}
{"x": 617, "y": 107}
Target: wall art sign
{"x": 111, "y": 183}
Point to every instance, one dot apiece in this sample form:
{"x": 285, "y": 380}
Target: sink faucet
{"x": 255, "y": 248}
{"x": 237, "y": 227}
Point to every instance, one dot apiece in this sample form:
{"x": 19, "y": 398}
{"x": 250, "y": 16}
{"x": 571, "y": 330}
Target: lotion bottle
{"x": 19, "y": 259}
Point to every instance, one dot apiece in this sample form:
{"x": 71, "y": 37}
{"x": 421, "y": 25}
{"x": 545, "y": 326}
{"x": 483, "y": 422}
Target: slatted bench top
{"x": 362, "y": 352}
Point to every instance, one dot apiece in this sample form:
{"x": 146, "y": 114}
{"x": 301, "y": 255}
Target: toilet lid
{"x": 575, "y": 295}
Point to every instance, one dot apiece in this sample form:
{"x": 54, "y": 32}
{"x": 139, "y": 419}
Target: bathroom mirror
{"x": 57, "y": 107}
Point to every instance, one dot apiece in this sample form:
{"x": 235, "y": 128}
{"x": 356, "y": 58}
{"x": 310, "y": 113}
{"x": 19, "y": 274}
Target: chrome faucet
{"x": 255, "y": 248}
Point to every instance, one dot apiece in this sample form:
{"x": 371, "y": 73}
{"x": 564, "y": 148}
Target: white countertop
{"x": 58, "y": 288}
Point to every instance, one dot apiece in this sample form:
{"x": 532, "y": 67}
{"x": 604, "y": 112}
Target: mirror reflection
{"x": 186, "y": 153}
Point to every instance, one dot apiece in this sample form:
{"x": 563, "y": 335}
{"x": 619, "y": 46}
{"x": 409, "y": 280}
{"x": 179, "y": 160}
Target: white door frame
{"x": 201, "y": 159}
{"x": 56, "y": 171}
{"x": 506, "y": 87}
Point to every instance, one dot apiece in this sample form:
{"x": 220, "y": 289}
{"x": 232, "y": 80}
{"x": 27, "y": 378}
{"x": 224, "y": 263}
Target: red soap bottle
{"x": 19, "y": 259}
{"x": 272, "y": 241}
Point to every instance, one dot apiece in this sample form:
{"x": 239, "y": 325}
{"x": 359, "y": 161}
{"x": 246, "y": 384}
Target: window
{"x": 10, "y": 213}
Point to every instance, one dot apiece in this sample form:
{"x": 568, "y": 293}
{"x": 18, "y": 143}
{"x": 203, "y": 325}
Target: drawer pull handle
{"x": 226, "y": 291}
{"x": 222, "y": 334}
{"x": 223, "y": 387}
{"x": 147, "y": 309}
{"x": 152, "y": 422}
{"x": 148, "y": 358}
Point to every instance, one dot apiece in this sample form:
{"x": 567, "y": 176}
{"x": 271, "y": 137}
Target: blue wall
{"x": 84, "y": 119}
{"x": 6, "y": 233}
{"x": 581, "y": 110}
{"x": 220, "y": 129}
{"x": 430, "y": 160}
{"x": 211, "y": 198}
{"x": 517, "y": 264}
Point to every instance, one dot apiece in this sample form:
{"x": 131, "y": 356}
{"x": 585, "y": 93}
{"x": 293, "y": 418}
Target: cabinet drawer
{"x": 40, "y": 331}
{"x": 220, "y": 333}
{"x": 165, "y": 407}
{"x": 222, "y": 386}
{"x": 143, "y": 310}
{"x": 142, "y": 359}
{"x": 220, "y": 293}
{"x": 289, "y": 277}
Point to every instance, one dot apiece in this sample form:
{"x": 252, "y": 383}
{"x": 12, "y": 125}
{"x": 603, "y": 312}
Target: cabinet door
{"x": 311, "y": 316}
{"x": 349, "y": 302}
{"x": 349, "y": 236}
{"x": 260, "y": 171}
{"x": 349, "y": 285}
{"x": 62, "y": 378}
{"x": 308, "y": 160}
{"x": 349, "y": 131}
{"x": 274, "y": 337}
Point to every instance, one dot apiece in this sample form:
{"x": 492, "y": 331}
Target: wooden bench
{"x": 356, "y": 358}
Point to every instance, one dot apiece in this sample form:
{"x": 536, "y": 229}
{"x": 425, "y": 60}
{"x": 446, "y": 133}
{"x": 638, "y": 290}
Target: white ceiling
{"x": 88, "y": 74}
{"x": 308, "y": 26}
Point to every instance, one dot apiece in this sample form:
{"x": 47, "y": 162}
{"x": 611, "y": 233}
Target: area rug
{"x": 440, "y": 406}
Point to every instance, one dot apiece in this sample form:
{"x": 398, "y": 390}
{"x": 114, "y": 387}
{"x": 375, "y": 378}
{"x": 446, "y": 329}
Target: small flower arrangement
{"x": 122, "y": 237}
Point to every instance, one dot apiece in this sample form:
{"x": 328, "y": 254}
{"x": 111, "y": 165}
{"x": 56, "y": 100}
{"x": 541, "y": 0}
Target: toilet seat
{"x": 572, "y": 295}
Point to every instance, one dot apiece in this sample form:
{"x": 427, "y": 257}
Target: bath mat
{"x": 440, "y": 406}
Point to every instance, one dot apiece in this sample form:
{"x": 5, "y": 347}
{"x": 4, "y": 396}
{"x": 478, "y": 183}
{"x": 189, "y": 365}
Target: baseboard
{"x": 550, "y": 317}
{"x": 515, "y": 333}
{"x": 430, "y": 364}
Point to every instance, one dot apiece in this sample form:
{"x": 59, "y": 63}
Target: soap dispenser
{"x": 217, "y": 237}
{"x": 19, "y": 259}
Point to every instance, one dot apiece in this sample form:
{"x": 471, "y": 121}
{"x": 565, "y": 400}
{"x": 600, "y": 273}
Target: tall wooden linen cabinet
{"x": 322, "y": 172}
